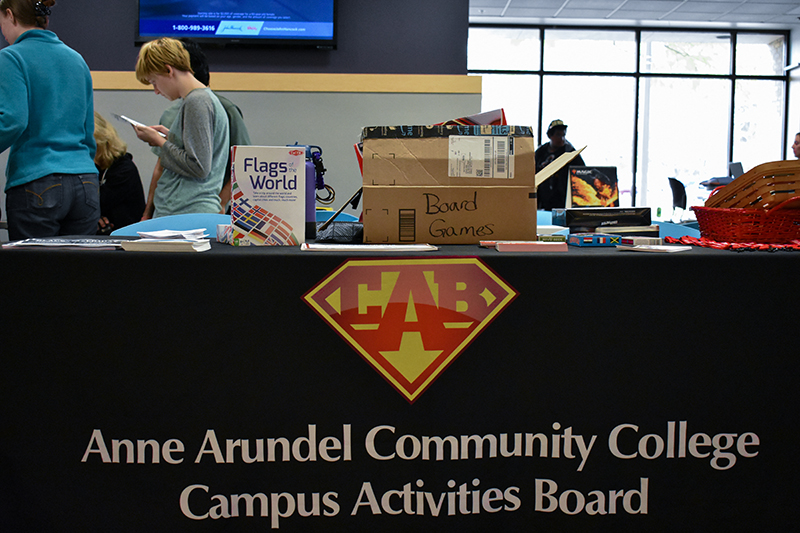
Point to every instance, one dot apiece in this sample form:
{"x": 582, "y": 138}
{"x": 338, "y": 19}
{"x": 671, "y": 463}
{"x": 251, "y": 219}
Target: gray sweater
{"x": 194, "y": 157}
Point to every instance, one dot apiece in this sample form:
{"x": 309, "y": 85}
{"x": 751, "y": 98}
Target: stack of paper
{"x": 174, "y": 234}
{"x": 169, "y": 241}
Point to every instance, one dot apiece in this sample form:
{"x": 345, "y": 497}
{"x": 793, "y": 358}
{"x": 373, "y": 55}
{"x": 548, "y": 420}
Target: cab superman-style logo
{"x": 410, "y": 318}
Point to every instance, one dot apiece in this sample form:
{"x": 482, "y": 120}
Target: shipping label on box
{"x": 481, "y": 157}
{"x": 448, "y": 156}
{"x": 268, "y": 187}
{"x": 448, "y": 215}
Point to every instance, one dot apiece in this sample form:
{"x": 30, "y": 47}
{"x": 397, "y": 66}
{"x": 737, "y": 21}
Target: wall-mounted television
{"x": 258, "y": 22}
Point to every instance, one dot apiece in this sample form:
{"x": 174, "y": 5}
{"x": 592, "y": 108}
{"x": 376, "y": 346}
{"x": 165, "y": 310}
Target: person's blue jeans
{"x": 58, "y": 204}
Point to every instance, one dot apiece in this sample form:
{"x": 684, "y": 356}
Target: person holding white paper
{"x": 47, "y": 121}
{"x": 237, "y": 130}
{"x": 194, "y": 152}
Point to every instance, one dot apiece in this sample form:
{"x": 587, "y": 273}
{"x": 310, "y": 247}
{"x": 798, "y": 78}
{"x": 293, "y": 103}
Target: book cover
{"x": 593, "y": 186}
{"x": 632, "y": 231}
{"x": 268, "y": 195}
{"x": 595, "y": 217}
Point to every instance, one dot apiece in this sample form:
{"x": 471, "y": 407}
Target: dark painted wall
{"x": 375, "y": 36}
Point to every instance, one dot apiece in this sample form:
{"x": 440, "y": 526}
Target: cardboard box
{"x": 448, "y": 215}
{"x": 268, "y": 195}
{"x": 448, "y": 184}
{"x": 448, "y": 156}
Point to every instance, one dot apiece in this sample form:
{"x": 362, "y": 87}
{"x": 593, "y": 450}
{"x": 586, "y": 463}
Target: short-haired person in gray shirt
{"x": 239, "y": 136}
{"x": 193, "y": 150}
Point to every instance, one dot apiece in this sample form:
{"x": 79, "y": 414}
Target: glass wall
{"x": 683, "y": 134}
{"x": 599, "y": 112}
{"x": 685, "y": 53}
{"x": 758, "y": 121}
{"x": 589, "y": 51}
{"x": 656, "y": 104}
{"x": 503, "y": 49}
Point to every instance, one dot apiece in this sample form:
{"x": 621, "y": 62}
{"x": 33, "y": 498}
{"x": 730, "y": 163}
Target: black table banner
{"x": 457, "y": 390}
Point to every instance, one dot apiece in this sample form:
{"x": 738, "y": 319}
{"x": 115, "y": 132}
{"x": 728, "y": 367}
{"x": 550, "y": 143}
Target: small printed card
{"x": 268, "y": 189}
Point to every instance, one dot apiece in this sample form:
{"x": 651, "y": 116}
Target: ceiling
{"x": 772, "y": 14}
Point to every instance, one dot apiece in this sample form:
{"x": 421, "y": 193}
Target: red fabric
{"x": 735, "y": 246}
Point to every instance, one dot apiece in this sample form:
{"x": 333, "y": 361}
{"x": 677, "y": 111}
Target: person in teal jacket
{"x": 47, "y": 121}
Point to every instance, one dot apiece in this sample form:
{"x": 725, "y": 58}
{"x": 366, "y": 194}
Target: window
{"x": 653, "y": 103}
{"x": 590, "y": 51}
{"x": 599, "y": 113}
{"x": 758, "y": 122}
{"x": 685, "y": 53}
{"x": 760, "y": 54}
{"x": 503, "y": 49}
{"x": 683, "y": 134}
{"x": 513, "y": 93}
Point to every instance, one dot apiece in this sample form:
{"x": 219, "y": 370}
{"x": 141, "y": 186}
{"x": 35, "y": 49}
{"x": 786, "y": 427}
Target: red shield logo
{"x": 410, "y": 318}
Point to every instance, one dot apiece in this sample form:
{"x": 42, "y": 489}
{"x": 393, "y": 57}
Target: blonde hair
{"x": 109, "y": 145}
{"x": 156, "y": 56}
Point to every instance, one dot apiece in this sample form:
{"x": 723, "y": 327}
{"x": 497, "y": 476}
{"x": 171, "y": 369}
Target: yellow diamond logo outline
{"x": 410, "y": 318}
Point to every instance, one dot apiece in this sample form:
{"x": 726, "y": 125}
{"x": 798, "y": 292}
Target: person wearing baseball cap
{"x": 553, "y": 192}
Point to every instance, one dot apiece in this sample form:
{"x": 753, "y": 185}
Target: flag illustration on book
{"x": 265, "y": 227}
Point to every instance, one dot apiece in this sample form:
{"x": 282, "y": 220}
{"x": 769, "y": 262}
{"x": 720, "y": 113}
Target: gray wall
{"x": 332, "y": 121}
{"x": 375, "y": 36}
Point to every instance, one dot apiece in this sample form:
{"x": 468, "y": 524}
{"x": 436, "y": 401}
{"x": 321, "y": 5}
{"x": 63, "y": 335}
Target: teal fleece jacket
{"x": 46, "y": 109}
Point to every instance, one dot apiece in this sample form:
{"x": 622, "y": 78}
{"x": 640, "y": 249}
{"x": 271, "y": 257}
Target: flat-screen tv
{"x": 263, "y": 22}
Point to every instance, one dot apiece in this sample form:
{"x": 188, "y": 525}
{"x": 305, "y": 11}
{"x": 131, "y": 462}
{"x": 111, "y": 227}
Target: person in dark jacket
{"x": 121, "y": 190}
{"x": 553, "y": 192}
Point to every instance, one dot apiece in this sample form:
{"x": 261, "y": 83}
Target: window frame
{"x": 638, "y": 75}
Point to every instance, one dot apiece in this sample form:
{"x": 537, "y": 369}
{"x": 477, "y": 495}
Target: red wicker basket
{"x": 777, "y": 226}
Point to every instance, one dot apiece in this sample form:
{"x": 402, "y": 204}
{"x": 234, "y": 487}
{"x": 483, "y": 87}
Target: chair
{"x": 544, "y": 218}
{"x": 670, "y": 229}
{"x": 208, "y": 221}
{"x": 322, "y": 216}
{"x": 678, "y": 197}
